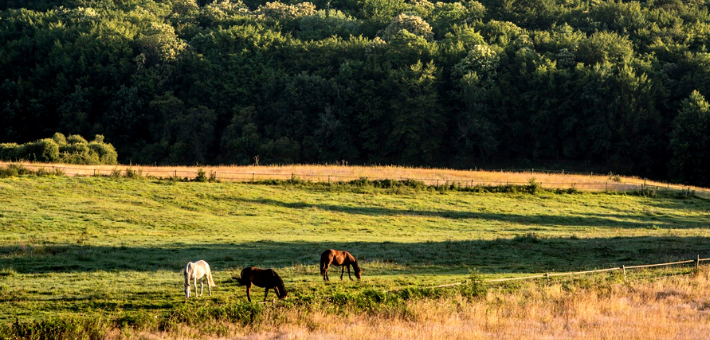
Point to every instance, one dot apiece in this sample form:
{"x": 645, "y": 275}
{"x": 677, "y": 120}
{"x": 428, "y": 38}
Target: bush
{"x": 474, "y": 287}
{"x": 13, "y": 170}
{"x": 106, "y": 152}
{"x": 201, "y": 176}
{"x": 9, "y": 151}
{"x": 76, "y": 139}
{"x": 43, "y": 150}
{"x": 59, "y": 149}
{"x": 59, "y": 139}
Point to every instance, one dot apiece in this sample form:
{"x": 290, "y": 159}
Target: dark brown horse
{"x": 266, "y": 278}
{"x": 338, "y": 258}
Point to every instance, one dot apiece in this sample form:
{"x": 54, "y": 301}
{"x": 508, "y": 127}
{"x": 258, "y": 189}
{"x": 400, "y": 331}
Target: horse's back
{"x": 328, "y": 255}
{"x": 197, "y": 269}
{"x": 203, "y": 264}
{"x": 336, "y": 257}
{"x": 260, "y": 277}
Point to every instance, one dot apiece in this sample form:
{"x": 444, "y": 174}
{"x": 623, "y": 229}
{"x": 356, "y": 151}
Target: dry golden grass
{"x": 325, "y": 173}
{"x": 675, "y": 307}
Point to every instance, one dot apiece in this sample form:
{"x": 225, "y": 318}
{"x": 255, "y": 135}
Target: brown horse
{"x": 266, "y": 278}
{"x": 338, "y": 258}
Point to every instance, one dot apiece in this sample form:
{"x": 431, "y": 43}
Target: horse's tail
{"x": 210, "y": 281}
{"x": 322, "y": 267}
{"x": 325, "y": 259}
{"x": 243, "y": 279}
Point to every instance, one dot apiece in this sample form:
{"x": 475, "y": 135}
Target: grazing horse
{"x": 197, "y": 271}
{"x": 266, "y": 278}
{"x": 338, "y": 258}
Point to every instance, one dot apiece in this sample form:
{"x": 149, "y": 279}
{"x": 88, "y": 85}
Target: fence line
{"x": 465, "y": 183}
{"x": 548, "y": 275}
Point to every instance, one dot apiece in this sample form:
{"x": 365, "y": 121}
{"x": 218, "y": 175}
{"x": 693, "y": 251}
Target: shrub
{"x": 201, "y": 176}
{"x": 474, "y": 287}
{"x": 533, "y": 186}
{"x": 9, "y": 151}
{"x": 43, "y": 150}
{"x": 13, "y": 170}
{"x": 106, "y": 152}
{"x": 59, "y": 138}
{"x": 134, "y": 174}
{"x": 76, "y": 139}
{"x": 73, "y": 150}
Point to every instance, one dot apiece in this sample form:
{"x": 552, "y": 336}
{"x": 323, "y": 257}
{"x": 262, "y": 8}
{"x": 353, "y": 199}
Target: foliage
{"x": 60, "y": 149}
{"x": 462, "y": 84}
{"x": 690, "y": 140}
{"x": 410, "y": 23}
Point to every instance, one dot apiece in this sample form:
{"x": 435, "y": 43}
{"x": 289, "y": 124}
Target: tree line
{"x": 616, "y": 86}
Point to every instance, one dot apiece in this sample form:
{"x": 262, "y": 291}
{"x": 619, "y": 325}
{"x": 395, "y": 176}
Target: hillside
{"x": 73, "y": 247}
{"x": 587, "y": 85}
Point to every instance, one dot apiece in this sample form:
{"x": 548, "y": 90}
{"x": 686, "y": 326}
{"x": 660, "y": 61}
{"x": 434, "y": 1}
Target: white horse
{"x": 196, "y": 271}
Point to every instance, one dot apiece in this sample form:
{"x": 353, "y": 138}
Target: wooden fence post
{"x": 697, "y": 264}
{"x": 328, "y": 179}
{"x": 623, "y": 268}
{"x": 547, "y": 278}
{"x": 94, "y": 172}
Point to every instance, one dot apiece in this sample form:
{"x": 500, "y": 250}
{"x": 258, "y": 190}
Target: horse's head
{"x": 280, "y": 288}
{"x": 358, "y": 270}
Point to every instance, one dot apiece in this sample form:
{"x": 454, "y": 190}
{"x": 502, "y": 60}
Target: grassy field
{"x": 327, "y": 173}
{"x": 113, "y": 248}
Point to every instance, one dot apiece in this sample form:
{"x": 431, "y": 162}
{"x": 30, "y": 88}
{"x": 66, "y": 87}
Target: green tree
{"x": 417, "y": 123}
{"x": 690, "y": 141}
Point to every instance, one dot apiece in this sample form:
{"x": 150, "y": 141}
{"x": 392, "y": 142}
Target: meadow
{"x": 342, "y": 173}
{"x": 105, "y": 255}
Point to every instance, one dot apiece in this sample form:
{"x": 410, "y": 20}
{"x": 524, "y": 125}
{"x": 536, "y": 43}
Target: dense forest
{"x": 617, "y": 86}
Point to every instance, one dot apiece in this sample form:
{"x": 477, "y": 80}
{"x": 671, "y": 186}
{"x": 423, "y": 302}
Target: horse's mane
{"x": 353, "y": 261}
{"x": 280, "y": 284}
{"x": 187, "y": 274}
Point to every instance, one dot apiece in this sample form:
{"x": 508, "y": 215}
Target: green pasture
{"x": 85, "y": 245}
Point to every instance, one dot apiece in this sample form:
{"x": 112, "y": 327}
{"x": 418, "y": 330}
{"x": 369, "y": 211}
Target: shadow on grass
{"x": 628, "y": 221}
{"x": 528, "y": 253}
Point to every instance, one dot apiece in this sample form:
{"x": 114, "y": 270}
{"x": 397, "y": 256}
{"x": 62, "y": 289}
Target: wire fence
{"x": 547, "y": 276}
{"x": 237, "y": 176}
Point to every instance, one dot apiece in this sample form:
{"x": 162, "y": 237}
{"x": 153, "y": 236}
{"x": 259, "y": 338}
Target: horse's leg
{"x": 351, "y": 278}
{"x": 249, "y": 291}
{"x": 209, "y": 286}
{"x": 196, "y": 295}
{"x": 202, "y": 285}
{"x": 266, "y": 292}
{"x": 342, "y": 273}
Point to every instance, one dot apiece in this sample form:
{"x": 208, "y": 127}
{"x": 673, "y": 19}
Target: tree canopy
{"x": 614, "y": 86}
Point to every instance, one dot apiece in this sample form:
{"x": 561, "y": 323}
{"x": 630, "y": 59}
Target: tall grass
{"x": 337, "y": 173}
{"x": 601, "y": 307}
